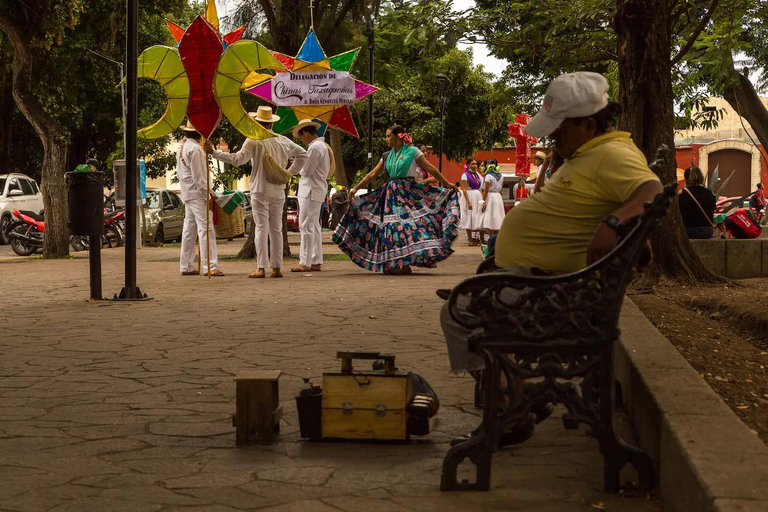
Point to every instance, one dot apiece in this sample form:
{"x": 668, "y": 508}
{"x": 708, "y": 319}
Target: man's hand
{"x": 603, "y": 241}
{"x": 482, "y": 208}
{"x": 469, "y": 205}
{"x": 208, "y": 147}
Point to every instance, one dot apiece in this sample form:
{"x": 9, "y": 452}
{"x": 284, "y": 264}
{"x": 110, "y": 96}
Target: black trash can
{"x": 85, "y": 195}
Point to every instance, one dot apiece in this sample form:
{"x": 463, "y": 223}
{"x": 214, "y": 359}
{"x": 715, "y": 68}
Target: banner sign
{"x": 311, "y": 88}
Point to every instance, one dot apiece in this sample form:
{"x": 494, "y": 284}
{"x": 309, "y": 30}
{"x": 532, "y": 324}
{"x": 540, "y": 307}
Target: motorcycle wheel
{"x": 19, "y": 246}
{"x": 111, "y": 237}
{"x": 79, "y": 243}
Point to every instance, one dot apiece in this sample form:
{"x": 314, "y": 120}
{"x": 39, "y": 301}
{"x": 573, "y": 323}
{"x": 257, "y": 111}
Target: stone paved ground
{"x": 107, "y": 406}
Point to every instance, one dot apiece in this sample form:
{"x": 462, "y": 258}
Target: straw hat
{"x": 264, "y": 115}
{"x": 540, "y": 154}
{"x": 303, "y": 124}
{"x": 532, "y": 177}
{"x": 188, "y": 127}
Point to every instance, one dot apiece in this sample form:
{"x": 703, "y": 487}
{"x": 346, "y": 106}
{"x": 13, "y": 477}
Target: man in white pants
{"x": 312, "y": 189}
{"x": 267, "y": 199}
{"x": 192, "y": 171}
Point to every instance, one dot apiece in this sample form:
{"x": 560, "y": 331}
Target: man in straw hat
{"x": 193, "y": 180}
{"x": 267, "y": 199}
{"x": 312, "y": 190}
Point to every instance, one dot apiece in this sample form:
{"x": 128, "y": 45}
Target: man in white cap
{"x": 267, "y": 199}
{"x": 312, "y": 190}
{"x": 574, "y": 220}
{"x": 192, "y": 171}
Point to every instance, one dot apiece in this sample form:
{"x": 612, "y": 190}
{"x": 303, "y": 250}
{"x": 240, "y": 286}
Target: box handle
{"x": 347, "y": 357}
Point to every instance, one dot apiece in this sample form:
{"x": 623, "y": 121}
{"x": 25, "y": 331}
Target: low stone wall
{"x": 705, "y": 457}
{"x": 737, "y": 259}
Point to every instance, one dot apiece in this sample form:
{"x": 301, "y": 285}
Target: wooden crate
{"x": 365, "y": 404}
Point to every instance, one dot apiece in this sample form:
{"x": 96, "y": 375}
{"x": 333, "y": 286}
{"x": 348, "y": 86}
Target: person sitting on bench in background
{"x": 574, "y": 221}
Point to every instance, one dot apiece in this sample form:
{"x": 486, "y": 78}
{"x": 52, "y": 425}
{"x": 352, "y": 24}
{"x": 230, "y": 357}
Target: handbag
{"x": 276, "y": 173}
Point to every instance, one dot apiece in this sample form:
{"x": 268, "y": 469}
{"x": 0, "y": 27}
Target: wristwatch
{"x": 613, "y": 222}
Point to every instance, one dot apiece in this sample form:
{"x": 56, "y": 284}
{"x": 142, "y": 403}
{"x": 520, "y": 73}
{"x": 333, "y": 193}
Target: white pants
{"x": 268, "y": 222}
{"x": 194, "y": 228}
{"x": 311, "y": 252}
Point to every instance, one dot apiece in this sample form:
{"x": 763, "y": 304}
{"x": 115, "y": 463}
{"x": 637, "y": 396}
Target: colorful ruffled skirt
{"x": 401, "y": 223}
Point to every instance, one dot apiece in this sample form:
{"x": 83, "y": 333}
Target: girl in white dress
{"x": 493, "y": 208}
{"x": 469, "y": 200}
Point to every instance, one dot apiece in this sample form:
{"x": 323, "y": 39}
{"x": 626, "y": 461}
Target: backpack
{"x": 753, "y": 202}
{"x": 332, "y": 172}
{"x": 741, "y": 224}
{"x": 276, "y": 173}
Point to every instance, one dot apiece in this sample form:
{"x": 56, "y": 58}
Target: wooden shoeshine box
{"x": 367, "y": 404}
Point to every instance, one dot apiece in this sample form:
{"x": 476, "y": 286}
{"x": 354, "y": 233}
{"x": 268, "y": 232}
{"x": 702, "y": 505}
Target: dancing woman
{"x": 403, "y": 223}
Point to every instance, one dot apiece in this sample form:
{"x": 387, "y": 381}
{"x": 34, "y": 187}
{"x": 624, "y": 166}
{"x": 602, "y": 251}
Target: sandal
{"x": 190, "y": 273}
{"x": 215, "y": 273}
{"x": 316, "y": 268}
{"x": 257, "y": 274}
{"x": 276, "y": 273}
{"x": 299, "y": 268}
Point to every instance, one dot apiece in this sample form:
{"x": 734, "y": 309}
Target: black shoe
{"x": 543, "y": 411}
{"x": 443, "y": 293}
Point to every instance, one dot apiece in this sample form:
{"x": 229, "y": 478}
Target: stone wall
{"x": 737, "y": 259}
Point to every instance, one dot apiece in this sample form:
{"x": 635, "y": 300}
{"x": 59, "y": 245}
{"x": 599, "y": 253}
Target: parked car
{"x": 19, "y": 192}
{"x": 164, "y": 215}
{"x": 293, "y": 213}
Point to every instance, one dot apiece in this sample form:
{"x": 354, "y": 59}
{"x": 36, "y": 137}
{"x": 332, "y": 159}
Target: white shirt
{"x": 315, "y": 170}
{"x": 280, "y": 148}
{"x": 495, "y": 185}
{"x": 192, "y": 170}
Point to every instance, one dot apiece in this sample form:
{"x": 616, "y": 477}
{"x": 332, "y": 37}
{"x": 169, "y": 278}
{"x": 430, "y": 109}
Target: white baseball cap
{"x": 577, "y": 94}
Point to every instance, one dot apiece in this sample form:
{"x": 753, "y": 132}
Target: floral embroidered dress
{"x": 401, "y": 223}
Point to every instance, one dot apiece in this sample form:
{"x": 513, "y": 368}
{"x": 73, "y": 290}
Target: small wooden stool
{"x": 258, "y": 412}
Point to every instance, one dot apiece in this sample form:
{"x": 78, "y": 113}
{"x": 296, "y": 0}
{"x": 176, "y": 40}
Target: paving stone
{"x": 143, "y": 393}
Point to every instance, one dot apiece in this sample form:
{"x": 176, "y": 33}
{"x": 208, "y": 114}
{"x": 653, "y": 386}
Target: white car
{"x": 17, "y": 192}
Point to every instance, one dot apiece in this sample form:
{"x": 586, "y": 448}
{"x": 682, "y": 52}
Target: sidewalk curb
{"x": 705, "y": 457}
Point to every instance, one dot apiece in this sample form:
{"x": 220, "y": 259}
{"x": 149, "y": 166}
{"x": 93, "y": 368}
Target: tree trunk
{"x": 248, "y": 250}
{"x": 6, "y": 118}
{"x": 56, "y": 241}
{"x": 644, "y": 34}
{"x": 742, "y": 97}
{"x": 338, "y": 157}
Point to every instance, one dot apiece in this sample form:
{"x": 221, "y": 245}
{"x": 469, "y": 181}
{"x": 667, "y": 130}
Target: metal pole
{"x": 131, "y": 56}
{"x": 370, "y": 98}
{"x": 442, "y": 110}
{"x": 94, "y": 264}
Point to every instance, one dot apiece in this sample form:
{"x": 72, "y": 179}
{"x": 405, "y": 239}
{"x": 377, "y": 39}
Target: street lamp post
{"x": 443, "y": 82}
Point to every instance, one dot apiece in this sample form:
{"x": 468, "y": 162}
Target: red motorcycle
{"x": 25, "y": 233}
{"x": 112, "y": 236}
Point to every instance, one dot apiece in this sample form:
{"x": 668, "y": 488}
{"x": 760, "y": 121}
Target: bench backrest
{"x": 579, "y": 308}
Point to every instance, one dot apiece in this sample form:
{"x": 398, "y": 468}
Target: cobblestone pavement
{"x": 107, "y": 406}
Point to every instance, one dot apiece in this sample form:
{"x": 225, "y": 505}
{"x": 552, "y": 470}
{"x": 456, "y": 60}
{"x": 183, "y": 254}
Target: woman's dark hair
{"x": 396, "y": 129}
{"x": 605, "y": 118}
{"x": 694, "y": 176}
{"x": 470, "y": 160}
{"x": 491, "y": 161}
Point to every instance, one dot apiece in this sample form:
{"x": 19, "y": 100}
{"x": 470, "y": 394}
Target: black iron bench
{"x": 557, "y": 334}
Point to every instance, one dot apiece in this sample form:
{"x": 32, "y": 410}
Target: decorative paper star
{"x": 311, "y": 57}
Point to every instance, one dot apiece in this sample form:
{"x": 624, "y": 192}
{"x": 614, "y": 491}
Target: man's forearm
{"x": 633, "y": 206}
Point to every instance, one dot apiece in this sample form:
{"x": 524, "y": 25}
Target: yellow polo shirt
{"x": 551, "y": 229}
